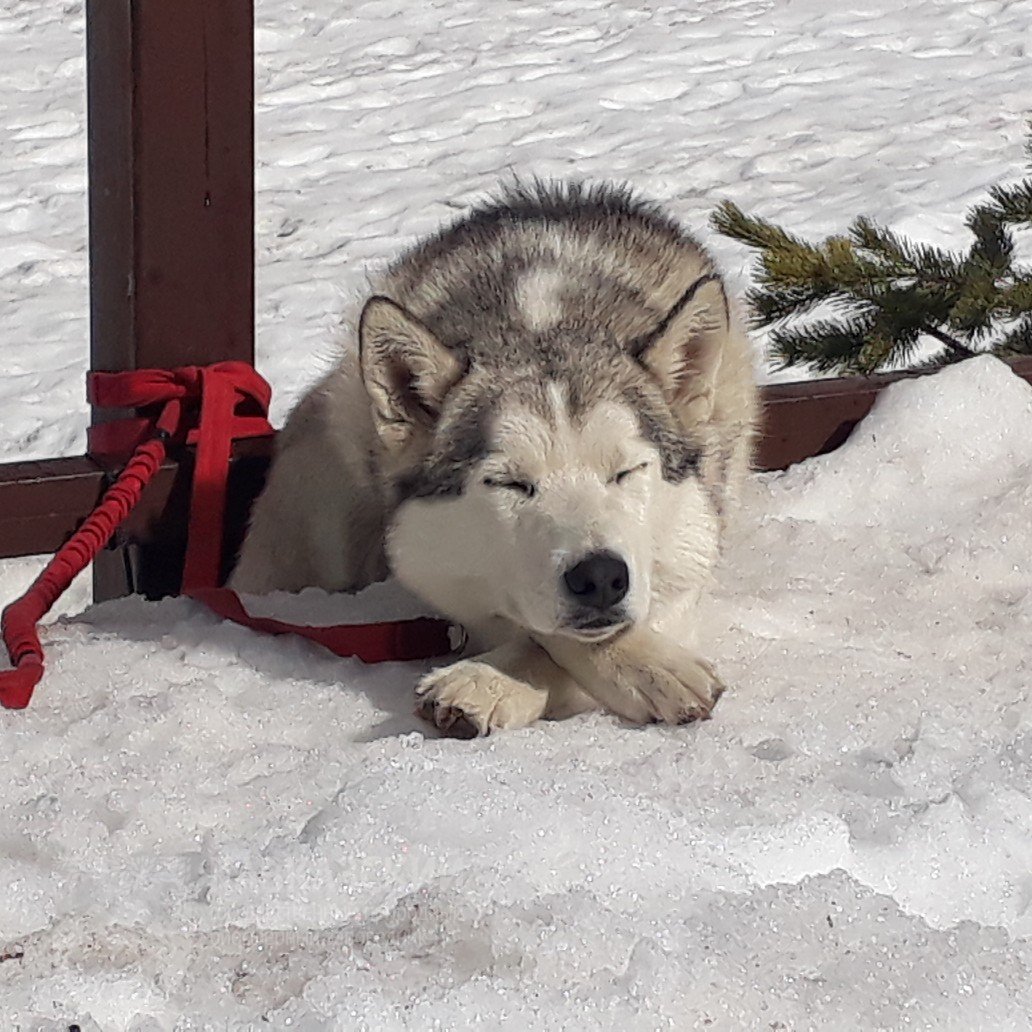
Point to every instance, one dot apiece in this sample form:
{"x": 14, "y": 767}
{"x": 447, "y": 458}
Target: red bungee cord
{"x": 233, "y": 401}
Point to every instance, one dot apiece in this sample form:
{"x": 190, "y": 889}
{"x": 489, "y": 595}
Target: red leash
{"x": 391, "y": 641}
{"x": 233, "y": 403}
{"x": 18, "y": 623}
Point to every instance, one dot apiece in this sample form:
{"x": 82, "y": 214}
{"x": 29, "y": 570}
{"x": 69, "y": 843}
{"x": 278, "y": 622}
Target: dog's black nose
{"x": 599, "y": 580}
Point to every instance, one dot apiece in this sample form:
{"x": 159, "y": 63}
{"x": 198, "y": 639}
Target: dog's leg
{"x": 511, "y": 686}
{"x": 641, "y": 675}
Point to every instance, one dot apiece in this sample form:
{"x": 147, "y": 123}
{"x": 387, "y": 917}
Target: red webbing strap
{"x": 395, "y": 641}
{"x": 234, "y": 402}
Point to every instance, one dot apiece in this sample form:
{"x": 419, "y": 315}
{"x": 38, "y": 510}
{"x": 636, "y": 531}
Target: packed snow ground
{"x": 377, "y": 120}
{"x": 204, "y": 828}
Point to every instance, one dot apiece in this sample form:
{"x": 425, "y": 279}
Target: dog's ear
{"x": 683, "y": 353}
{"x": 406, "y": 371}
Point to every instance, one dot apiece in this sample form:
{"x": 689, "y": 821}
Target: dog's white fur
{"x": 560, "y": 376}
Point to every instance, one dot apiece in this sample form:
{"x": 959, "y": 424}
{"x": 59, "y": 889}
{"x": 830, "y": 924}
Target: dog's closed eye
{"x": 619, "y": 478}
{"x": 523, "y": 487}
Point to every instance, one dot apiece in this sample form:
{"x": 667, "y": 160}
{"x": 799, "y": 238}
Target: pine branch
{"x": 730, "y": 220}
{"x": 953, "y": 346}
{"x": 772, "y": 305}
{"x": 826, "y": 345}
{"x": 994, "y": 244}
{"x": 1017, "y": 341}
{"x": 884, "y": 292}
{"x": 1016, "y": 297}
{"x": 976, "y": 296}
{"x": 904, "y": 257}
{"x": 1013, "y": 204}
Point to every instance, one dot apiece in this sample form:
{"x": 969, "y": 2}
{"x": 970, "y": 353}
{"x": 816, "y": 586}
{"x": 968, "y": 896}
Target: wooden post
{"x": 170, "y": 103}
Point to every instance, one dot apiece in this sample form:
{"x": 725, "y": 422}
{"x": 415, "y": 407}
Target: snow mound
{"x": 317, "y": 608}
{"x": 929, "y": 444}
{"x": 204, "y": 828}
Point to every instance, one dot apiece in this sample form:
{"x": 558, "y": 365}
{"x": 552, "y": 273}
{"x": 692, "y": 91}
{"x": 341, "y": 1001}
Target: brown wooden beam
{"x": 42, "y": 503}
{"x": 813, "y": 417}
{"x": 170, "y": 105}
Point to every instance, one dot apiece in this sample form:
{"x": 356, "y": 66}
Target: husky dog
{"x": 542, "y": 434}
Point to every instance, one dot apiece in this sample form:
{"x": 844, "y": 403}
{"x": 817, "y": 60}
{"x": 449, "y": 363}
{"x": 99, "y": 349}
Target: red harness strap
{"x": 392, "y": 641}
{"x": 233, "y": 401}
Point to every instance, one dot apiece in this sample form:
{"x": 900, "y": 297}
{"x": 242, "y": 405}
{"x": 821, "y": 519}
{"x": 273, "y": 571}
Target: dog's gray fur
{"x": 581, "y": 319}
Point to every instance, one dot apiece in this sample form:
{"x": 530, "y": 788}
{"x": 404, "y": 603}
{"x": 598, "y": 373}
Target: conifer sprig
{"x": 880, "y": 295}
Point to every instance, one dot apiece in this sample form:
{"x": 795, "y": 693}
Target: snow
{"x": 204, "y": 828}
{"x": 377, "y": 121}
{"x": 386, "y": 601}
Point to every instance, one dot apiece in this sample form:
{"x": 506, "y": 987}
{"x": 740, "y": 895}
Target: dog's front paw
{"x": 470, "y": 698}
{"x": 678, "y": 692}
{"x": 641, "y": 676}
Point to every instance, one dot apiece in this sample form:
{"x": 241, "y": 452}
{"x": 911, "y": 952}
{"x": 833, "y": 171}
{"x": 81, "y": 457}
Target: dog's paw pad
{"x": 686, "y": 693}
{"x": 469, "y": 699}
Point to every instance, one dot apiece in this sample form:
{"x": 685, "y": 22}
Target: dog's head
{"x": 547, "y": 490}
